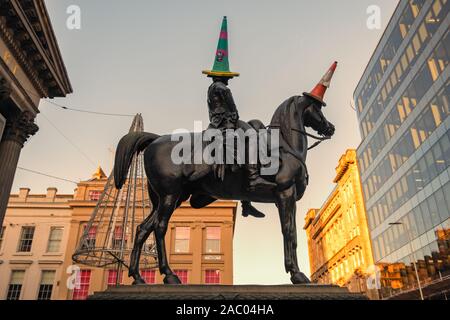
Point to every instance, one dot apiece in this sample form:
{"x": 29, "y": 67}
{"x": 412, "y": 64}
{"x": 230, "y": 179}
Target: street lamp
{"x": 413, "y": 256}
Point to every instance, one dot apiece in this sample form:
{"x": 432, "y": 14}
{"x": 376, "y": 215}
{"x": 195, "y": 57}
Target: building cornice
{"x": 43, "y": 66}
{"x": 14, "y": 46}
{"x": 348, "y": 159}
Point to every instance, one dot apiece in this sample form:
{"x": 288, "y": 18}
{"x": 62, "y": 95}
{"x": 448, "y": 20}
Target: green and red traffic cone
{"x": 221, "y": 66}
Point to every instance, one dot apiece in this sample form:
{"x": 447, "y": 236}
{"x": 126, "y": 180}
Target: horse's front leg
{"x": 287, "y": 210}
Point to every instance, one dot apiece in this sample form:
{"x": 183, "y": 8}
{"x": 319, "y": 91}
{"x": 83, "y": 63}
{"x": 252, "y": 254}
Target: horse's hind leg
{"x": 167, "y": 205}
{"x": 143, "y": 231}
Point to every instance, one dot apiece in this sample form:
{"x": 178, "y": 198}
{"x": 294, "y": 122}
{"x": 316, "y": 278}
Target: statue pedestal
{"x": 223, "y": 292}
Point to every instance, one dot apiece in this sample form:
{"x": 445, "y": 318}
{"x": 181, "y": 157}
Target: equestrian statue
{"x": 170, "y": 184}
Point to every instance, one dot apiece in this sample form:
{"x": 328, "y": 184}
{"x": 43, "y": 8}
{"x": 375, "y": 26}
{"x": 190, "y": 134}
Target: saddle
{"x": 221, "y": 169}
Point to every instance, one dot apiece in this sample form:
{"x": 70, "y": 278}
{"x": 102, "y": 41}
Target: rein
{"x": 315, "y": 144}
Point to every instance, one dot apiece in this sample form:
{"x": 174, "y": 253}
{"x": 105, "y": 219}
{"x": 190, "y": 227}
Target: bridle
{"x": 301, "y": 131}
{"x": 315, "y": 144}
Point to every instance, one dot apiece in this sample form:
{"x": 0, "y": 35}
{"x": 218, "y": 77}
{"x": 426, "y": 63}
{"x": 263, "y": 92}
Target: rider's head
{"x": 224, "y": 80}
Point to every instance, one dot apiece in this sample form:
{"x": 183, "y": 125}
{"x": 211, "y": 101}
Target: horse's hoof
{"x": 299, "y": 278}
{"x": 138, "y": 281}
{"x": 171, "y": 279}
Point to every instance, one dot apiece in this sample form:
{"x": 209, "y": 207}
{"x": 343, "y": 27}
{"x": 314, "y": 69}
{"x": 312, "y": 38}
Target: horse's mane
{"x": 283, "y": 116}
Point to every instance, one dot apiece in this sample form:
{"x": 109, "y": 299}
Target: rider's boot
{"x": 256, "y": 181}
{"x": 249, "y": 210}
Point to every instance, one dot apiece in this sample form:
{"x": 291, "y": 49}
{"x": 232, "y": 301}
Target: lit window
{"x": 15, "y": 285}
{"x": 149, "y": 276}
{"x": 46, "y": 286}
{"x": 182, "y": 235}
{"x": 212, "y": 276}
{"x": 182, "y": 275}
{"x": 362, "y": 258}
{"x": 54, "y": 239}
{"x": 81, "y": 291}
{"x": 26, "y": 239}
{"x": 212, "y": 240}
{"x": 112, "y": 278}
{"x": 94, "y": 195}
{"x": 2, "y": 234}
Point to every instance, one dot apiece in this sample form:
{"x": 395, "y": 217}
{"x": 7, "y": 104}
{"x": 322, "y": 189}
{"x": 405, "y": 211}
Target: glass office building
{"x": 403, "y": 107}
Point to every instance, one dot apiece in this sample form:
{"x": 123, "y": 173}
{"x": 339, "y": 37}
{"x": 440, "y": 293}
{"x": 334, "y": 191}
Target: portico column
{"x": 17, "y": 131}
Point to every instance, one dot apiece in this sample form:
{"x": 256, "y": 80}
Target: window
{"x": 117, "y": 240}
{"x": 15, "y": 285}
{"x": 182, "y": 275}
{"x": 90, "y": 238}
{"x": 2, "y": 235}
{"x": 26, "y": 239}
{"x": 434, "y": 214}
{"x": 54, "y": 239}
{"x": 212, "y": 240}
{"x": 112, "y": 278}
{"x": 81, "y": 291}
{"x": 94, "y": 195}
{"x": 426, "y": 215}
{"x": 46, "y": 286}
{"x": 150, "y": 245}
{"x": 149, "y": 276}
{"x": 212, "y": 276}
{"x": 182, "y": 235}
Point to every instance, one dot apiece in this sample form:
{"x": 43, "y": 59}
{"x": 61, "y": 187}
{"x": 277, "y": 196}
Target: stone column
{"x": 5, "y": 89}
{"x": 17, "y": 131}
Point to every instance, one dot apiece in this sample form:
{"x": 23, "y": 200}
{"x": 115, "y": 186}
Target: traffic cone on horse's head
{"x": 319, "y": 91}
{"x": 221, "y": 66}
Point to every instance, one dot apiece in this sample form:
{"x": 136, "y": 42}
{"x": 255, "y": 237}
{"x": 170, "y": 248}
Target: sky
{"x": 146, "y": 56}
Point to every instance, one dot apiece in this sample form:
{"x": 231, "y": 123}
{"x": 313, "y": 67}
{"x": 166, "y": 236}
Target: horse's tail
{"x": 129, "y": 145}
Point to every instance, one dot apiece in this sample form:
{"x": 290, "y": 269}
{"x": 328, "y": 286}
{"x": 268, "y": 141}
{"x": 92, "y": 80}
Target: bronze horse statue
{"x": 170, "y": 184}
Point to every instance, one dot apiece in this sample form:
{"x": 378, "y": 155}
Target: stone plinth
{"x": 221, "y": 292}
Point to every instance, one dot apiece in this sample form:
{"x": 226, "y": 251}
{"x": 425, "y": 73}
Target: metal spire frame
{"x": 107, "y": 238}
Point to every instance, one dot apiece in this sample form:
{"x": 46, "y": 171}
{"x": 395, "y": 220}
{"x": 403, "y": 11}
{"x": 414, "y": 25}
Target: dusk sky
{"x": 146, "y": 57}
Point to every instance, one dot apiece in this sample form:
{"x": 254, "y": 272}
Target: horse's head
{"x": 314, "y": 118}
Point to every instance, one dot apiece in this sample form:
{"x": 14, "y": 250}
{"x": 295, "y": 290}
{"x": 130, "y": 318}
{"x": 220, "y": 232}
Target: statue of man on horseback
{"x": 172, "y": 183}
{"x": 223, "y": 113}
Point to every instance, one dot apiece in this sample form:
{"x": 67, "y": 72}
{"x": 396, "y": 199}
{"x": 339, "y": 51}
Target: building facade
{"x": 403, "y": 103}
{"x": 31, "y": 68}
{"x": 32, "y": 247}
{"x": 338, "y": 237}
{"x": 41, "y": 233}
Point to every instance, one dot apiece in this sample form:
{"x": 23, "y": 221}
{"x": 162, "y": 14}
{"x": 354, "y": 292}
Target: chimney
{"x": 23, "y": 193}
{"x": 51, "y": 193}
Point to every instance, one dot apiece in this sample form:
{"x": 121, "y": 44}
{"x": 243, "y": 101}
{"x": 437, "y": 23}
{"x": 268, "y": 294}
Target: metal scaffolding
{"x": 107, "y": 239}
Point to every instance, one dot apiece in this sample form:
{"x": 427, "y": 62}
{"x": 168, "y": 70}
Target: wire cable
{"x": 46, "y": 175}
{"x": 70, "y": 141}
{"x": 80, "y": 109}
{"x": 86, "y": 111}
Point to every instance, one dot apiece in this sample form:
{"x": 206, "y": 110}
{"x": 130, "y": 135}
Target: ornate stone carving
{"x": 20, "y": 128}
{"x": 5, "y": 89}
{"x": 14, "y": 45}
